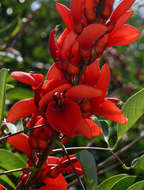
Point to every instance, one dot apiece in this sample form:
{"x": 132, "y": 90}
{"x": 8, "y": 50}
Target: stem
{"x": 23, "y": 131}
{"x": 12, "y": 171}
{"x": 80, "y": 148}
{"x": 78, "y": 177}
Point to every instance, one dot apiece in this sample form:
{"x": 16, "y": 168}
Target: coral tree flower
{"x": 51, "y": 106}
{"x": 90, "y": 29}
{"x": 50, "y": 175}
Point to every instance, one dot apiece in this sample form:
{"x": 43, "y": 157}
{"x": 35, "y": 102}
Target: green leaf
{"x": 108, "y": 183}
{"x": 19, "y": 93}
{"x": 138, "y": 163}
{"x": 106, "y": 130}
{"x": 124, "y": 183}
{"x": 6, "y": 179}
{"x": 9, "y": 86}
{"x": 9, "y": 161}
{"x": 3, "y": 77}
{"x": 89, "y": 169}
{"x": 10, "y": 29}
{"x": 137, "y": 186}
{"x": 133, "y": 110}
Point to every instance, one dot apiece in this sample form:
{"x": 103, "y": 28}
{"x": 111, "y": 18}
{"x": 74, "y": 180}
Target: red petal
{"x": 82, "y": 91}
{"x": 124, "y": 36}
{"x": 65, "y": 15}
{"x": 91, "y": 73}
{"x": 104, "y": 79}
{"x": 54, "y": 73}
{"x": 57, "y": 183}
{"x": 90, "y": 4}
{"x": 62, "y": 38}
{"x": 88, "y": 129}
{"x": 64, "y": 118}
{"x": 21, "y": 143}
{"x": 67, "y": 45}
{"x": 121, "y": 9}
{"x": 52, "y": 45}
{"x": 21, "y": 109}
{"x": 122, "y": 20}
{"x": 76, "y": 11}
{"x": 28, "y": 78}
{"x": 90, "y": 34}
{"x": 110, "y": 111}
{"x": 49, "y": 96}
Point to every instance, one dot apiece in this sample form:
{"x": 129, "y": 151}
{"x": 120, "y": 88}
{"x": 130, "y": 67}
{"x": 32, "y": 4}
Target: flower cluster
{"x": 75, "y": 87}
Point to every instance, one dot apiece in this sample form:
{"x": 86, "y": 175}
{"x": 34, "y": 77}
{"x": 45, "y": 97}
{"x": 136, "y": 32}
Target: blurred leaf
{"x": 138, "y": 163}
{"x": 9, "y": 86}
{"x": 19, "y": 93}
{"x": 3, "y": 77}
{"x": 7, "y": 180}
{"x": 133, "y": 110}
{"x": 9, "y": 161}
{"x": 89, "y": 169}
{"x": 108, "y": 183}
{"x": 137, "y": 186}
{"x": 10, "y": 29}
{"x": 124, "y": 183}
{"x": 12, "y": 55}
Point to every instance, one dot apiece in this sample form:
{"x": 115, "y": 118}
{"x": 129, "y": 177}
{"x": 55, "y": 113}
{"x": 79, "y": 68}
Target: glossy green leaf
{"x": 9, "y": 86}
{"x": 124, "y": 183}
{"x": 137, "y": 186}
{"x": 19, "y": 93}
{"x": 106, "y": 130}
{"x": 9, "y": 161}
{"x": 6, "y": 179}
{"x": 89, "y": 169}
{"x": 133, "y": 110}
{"x": 10, "y": 29}
{"x": 3, "y": 77}
{"x": 108, "y": 183}
{"x": 138, "y": 163}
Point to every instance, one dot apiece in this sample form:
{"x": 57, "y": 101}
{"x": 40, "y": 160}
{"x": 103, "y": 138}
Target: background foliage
{"x": 24, "y": 31}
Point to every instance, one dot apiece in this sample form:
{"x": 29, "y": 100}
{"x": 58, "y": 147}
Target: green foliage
{"x": 137, "y": 186}
{"x": 108, "y": 183}
{"x": 6, "y": 179}
{"x": 9, "y": 161}
{"x": 3, "y": 77}
{"x": 133, "y": 110}
{"x": 89, "y": 168}
{"x": 138, "y": 163}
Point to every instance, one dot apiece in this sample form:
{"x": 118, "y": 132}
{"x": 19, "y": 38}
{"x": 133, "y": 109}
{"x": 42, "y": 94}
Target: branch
{"x": 12, "y": 171}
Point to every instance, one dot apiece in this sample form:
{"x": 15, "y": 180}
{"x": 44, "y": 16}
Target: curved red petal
{"x": 67, "y": 45}
{"x": 95, "y": 130}
{"x": 104, "y": 79}
{"x": 54, "y": 73}
{"x": 52, "y": 45}
{"x": 90, "y": 34}
{"x": 110, "y": 111}
{"x": 28, "y": 78}
{"x": 82, "y": 91}
{"x": 65, "y": 15}
{"x": 121, "y": 9}
{"x": 76, "y": 11}
{"x": 124, "y": 36}
{"x": 20, "y": 142}
{"x": 21, "y": 109}
{"x": 49, "y": 96}
{"x": 122, "y": 20}
{"x": 57, "y": 183}
{"x": 64, "y": 118}
{"x": 62, "y": 38}
{"x": 91, "y": 73}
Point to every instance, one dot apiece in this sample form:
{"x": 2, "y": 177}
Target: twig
{"x": 78, "y": 177}
{"x": 80, "y": 148}
{"x": 12, "y": 171}
{"x": 23, "y": 131}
